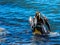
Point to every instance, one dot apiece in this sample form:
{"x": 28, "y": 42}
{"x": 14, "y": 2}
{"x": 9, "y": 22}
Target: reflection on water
{"x": 22, "y": 38}
{"x": 14, "y": 17}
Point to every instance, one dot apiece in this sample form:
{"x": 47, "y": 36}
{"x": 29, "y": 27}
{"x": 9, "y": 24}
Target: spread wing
{"x": 31, "y": 21}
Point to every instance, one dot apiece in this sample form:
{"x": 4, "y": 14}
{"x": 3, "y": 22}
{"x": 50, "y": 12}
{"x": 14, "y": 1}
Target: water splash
{"x": 54, "y": 34}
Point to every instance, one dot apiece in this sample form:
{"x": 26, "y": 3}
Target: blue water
{"x": 14, "y": 15}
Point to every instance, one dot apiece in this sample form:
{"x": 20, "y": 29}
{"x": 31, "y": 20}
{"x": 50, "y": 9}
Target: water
{"x": 14, "y": 24}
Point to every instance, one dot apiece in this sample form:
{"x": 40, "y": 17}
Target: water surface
{"x": 14, "y": 15}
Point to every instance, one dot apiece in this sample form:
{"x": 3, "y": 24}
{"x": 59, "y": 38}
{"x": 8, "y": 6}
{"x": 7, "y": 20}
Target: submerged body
{"x": 37, "y": 24}
{"x": 39, "y": 29}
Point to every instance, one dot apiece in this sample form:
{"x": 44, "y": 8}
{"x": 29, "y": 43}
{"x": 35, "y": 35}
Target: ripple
{"x": 57, "y": 18}
{"x": 14, "y": 17}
